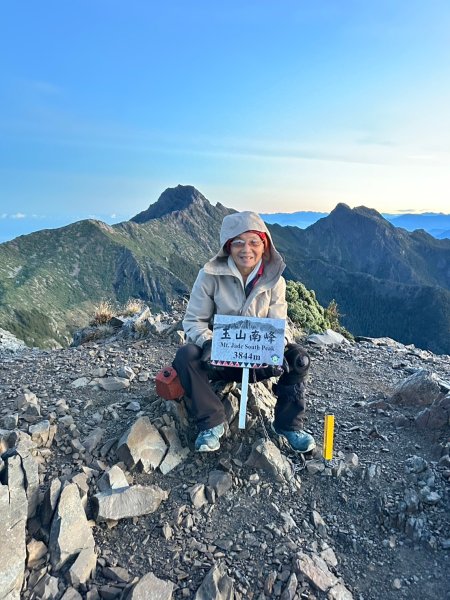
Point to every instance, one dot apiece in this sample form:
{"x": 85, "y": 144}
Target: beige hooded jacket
{"x": 218, "y": 291}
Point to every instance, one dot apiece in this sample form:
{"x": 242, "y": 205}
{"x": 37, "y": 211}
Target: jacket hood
{"x": 237, "y": 223}
{"x": 232, "y": 226}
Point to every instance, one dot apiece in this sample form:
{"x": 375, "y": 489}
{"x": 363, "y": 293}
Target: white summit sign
{"x": 247, "y": 342}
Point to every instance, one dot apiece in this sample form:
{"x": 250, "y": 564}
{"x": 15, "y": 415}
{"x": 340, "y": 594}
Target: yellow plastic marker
{"x": 328, "y": 437}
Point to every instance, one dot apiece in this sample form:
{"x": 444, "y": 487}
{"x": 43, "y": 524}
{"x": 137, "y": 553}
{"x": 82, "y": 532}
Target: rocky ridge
{"x": 385, "y": 280}
{"x": 102, "y": 496}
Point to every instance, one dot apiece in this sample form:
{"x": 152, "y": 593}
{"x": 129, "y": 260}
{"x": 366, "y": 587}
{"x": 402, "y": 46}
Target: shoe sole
{"x": 205, "y": 448}
{"x": 308, "y": 449}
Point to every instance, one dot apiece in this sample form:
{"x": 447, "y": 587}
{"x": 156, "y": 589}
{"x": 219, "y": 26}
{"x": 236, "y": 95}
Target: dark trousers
{"x": 207, "y": 410}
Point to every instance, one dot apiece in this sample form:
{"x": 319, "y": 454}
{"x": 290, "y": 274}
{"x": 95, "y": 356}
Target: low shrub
{"x": 306, "y": 312}
{"x": 132, "y": 307}
{"x": 103, "y": 313}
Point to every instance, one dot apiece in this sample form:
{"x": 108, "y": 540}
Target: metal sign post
{"x": 244, "y": 397}
{"x": 247, "y": 343}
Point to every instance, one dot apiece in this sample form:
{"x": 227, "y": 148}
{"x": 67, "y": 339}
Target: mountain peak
{"x": 344, "y": 209}
{"x": 171, "y": 200}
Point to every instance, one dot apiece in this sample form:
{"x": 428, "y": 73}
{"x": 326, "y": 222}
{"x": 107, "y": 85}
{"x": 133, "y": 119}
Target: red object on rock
{"x": 168, "y": 385}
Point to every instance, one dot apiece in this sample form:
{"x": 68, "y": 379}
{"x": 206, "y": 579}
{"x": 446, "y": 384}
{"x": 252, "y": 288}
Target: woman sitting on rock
{"x": 244, "y": 278}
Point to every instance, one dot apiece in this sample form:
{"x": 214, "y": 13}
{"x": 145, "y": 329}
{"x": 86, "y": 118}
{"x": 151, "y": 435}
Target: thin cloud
{"x": 18, "y": 215}
{"x": 66, "y": 130}
{"x": 374, "y": 141}
{"x": 57, "y": 127}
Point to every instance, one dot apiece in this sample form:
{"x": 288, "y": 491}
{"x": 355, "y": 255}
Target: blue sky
{"x": 261, "y": 105}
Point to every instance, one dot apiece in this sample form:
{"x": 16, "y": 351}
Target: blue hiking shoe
{"x": 208, "y": 439}
{"x": 298, "y": 440}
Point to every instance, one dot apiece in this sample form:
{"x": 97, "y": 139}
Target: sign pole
{"x": 244, "y": 396}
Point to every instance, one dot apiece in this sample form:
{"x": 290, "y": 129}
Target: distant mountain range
{"x": 436, "y": 224}
{"x": 387, "y": 281}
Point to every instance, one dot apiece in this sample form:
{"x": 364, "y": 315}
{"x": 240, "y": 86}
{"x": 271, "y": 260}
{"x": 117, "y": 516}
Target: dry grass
{"x": 103, "y": 313}
{"x": 132, "y": 307}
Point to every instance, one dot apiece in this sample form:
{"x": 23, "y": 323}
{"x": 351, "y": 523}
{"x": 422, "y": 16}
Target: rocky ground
{"x": 247, "y": 522}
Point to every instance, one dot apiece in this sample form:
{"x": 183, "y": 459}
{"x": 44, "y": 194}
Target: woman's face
{"x": 246, "y": 250}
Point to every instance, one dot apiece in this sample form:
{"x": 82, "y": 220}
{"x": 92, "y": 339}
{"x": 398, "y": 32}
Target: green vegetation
{"x": 306, "y": 312}
{"x": 51, "y": 281}
{"x": 33, "y": 327}
{"x": 387, "y": 282}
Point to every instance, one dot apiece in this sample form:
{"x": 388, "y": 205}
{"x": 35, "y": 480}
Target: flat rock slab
{"x": 70, "y": 532}
{"x": 13, "y": 517}
{"x": 142, "y": 446}
{"x": 151, "y": 587}
{"x": 48, "y": 505}
{"x": 80, "y": 382}
{"x": 113, "y": 384}
{"x": 128, "y": 502}
{"x": 112, "y": 479}
{"x": 30, "y": 468}
{"x": 316, "y": 570}
{"x": 176, "y": 453}
{"x": 83, "y": 566}
{"x": 328, "y": 338}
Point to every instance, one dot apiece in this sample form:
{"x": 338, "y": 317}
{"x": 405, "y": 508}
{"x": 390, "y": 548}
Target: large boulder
{"x": 328, "y": 338}
{"x": 13, "y": 518}
{"x": 176, "y": 453}
{"x": 420, "y": 389}
{"x": 266, "y": 456}
{"x": 436, "y": 416}
{"x": 70, "y": 532}
{"x": 112, "y": 479}
{"x": 142, "y": 446}
{"x": 133, "y": 501}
